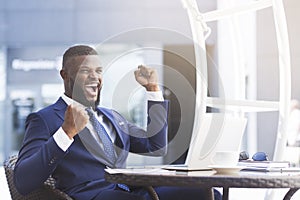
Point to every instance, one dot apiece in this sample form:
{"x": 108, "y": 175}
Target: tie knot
{"x": 90, "y": 111}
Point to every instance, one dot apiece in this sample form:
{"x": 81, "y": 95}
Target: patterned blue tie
{"x": 107, "y": 143}
{"x": 104, "y": 137}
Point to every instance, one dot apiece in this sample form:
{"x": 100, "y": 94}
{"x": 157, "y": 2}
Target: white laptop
{"x": 216, "y": 132}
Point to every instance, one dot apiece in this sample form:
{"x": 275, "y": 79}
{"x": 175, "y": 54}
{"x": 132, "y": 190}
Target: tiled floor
{"x": 235, "y": 193}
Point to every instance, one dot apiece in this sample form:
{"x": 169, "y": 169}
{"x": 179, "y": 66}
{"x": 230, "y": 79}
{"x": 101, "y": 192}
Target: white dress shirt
{"x": 64, "y": 142}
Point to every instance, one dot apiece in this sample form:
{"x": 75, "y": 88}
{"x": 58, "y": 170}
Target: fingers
{"x": 78, "y": 112}
{"x": 147, "y": 77}
{"x": 78, "y": 108}
{"x": 76, "y": 119}
{"x": 144, "y": 71}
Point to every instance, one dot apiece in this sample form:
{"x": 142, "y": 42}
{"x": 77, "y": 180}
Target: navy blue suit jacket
{"x": 80, "y": 170}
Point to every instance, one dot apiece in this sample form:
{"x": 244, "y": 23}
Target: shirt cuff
{"x": 62, "y": 139}
{"x": 155, "y": 96}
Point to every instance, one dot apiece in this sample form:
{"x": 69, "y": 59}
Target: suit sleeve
{"x": 153, "y": 141}
{"x": 38, "y": 156}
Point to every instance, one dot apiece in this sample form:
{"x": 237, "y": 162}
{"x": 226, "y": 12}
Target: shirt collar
{"x": 69, "y": 101}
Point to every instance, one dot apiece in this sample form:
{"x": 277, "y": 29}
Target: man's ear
{"x": 63, "y": 74}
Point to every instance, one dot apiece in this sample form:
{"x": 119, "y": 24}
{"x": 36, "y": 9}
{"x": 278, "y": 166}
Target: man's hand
{"x": 147, "y": 77}
{"x": 76, "y": 119}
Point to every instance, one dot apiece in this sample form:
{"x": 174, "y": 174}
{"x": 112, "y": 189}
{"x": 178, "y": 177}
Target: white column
{"x": 237, "y": 62}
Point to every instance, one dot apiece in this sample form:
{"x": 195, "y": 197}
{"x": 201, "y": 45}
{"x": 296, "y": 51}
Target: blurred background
{"x": 34, "y": 35}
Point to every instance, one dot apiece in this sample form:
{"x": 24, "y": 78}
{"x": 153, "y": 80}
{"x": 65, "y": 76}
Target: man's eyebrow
{"x": 84, "y": 67}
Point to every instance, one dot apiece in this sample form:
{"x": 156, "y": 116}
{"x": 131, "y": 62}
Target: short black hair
{"x": 78, "y": 50}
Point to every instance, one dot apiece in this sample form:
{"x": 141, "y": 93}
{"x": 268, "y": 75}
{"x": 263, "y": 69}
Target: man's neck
{"x": 69, "y": 101}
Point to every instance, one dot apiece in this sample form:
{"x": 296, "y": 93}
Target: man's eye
{"x": 99, "y": 71}
{"x": 84, "y": 71}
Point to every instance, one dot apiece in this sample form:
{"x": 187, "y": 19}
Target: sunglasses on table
{"x": 259, "y": 156}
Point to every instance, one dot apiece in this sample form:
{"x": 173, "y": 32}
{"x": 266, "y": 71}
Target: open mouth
{"x": 92, "y": 89}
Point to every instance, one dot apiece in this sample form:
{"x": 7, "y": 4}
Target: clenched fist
{"x": 147, "y": 77}
{"x": 76, "y": 119}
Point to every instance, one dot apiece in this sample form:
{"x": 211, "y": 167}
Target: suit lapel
{"x": 85, "y": 136}
{"x": 90, "y": 142}
{"x": 60, "y": 108}
{"x": 93, "y": 147}
{"x": 119, "y": 126}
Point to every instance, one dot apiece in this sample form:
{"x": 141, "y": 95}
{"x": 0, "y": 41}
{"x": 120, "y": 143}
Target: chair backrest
{"x": 48, "y": 192}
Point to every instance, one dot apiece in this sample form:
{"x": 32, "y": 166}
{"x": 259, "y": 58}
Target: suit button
{"x": 52, "y": 161}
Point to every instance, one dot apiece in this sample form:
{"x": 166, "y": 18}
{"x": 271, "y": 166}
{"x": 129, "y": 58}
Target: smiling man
{"x": 82, "y": 77}
{"x": 74, "y": 139}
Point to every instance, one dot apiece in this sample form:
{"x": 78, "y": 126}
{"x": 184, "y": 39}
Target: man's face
{"x": 84, "y": 79}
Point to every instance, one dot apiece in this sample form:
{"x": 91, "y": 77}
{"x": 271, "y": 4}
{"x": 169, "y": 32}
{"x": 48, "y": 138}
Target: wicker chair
{"x": 48, "y": 192}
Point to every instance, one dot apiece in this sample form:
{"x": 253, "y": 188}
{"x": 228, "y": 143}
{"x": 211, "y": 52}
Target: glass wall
{"x": 29, "y": 69}
{"x": 2, "y": 102}
{"x": 33, "y": 82}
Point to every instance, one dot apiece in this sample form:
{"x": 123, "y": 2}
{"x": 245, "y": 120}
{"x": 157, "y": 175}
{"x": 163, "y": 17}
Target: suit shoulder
{"x": 58, "y": 105}
{"x": 108, "y": 110}
{"x": 111, "y": 113}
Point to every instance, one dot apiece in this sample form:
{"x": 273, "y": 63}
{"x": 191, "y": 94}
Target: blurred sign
{"x": 28, "y": 65}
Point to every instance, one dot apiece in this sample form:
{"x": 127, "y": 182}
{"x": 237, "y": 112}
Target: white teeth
{"x": 92, "y": 85}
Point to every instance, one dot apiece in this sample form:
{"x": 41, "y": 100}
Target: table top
{"x": 207, "y": 179}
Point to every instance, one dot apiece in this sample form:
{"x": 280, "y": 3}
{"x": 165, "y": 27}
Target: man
{"x": 62, "y": 139}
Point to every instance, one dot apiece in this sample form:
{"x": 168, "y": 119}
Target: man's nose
{"x": 93, "y": 74}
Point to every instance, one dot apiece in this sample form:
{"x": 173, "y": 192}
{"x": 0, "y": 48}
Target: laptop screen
{"x": 217, "y": 132}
